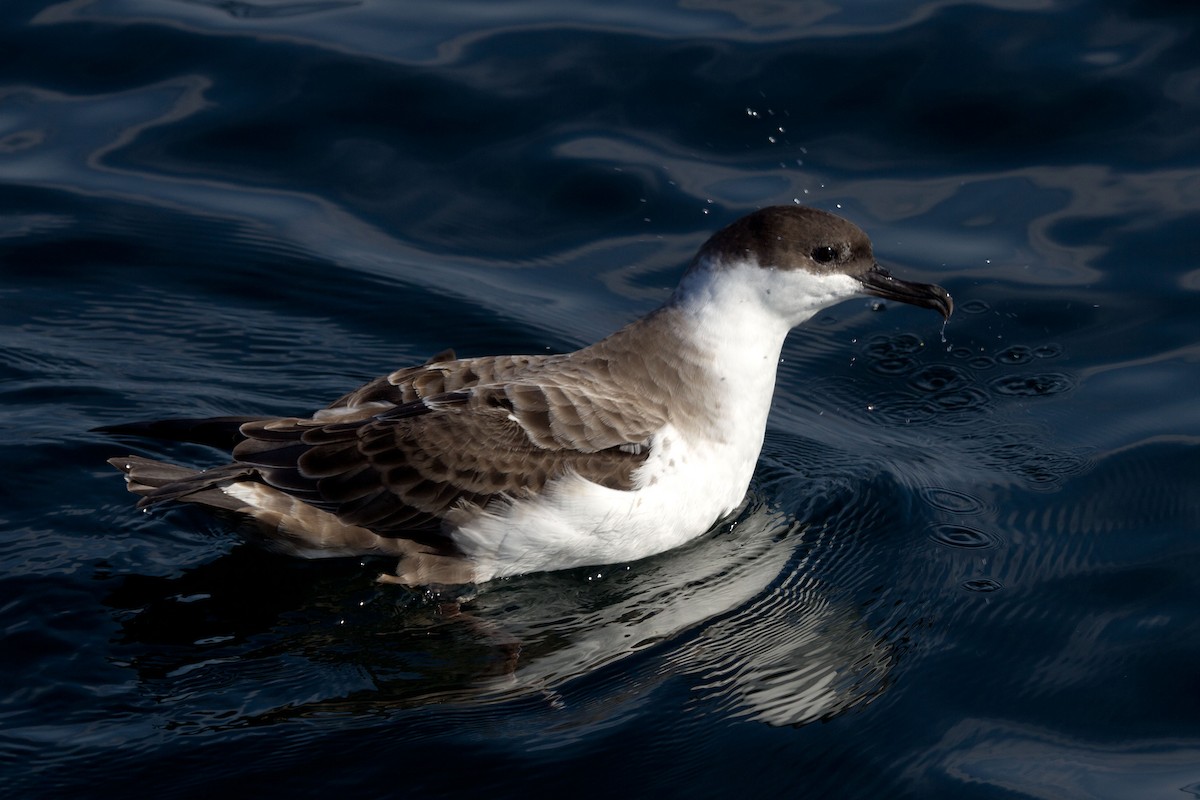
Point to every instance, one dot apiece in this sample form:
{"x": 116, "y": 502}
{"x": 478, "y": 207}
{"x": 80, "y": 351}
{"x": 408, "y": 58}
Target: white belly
{"x": 683, "y": 489}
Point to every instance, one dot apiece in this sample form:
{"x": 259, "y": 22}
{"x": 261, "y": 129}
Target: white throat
{"x": 741, "y": 313}
{"x": 744, "y": 288}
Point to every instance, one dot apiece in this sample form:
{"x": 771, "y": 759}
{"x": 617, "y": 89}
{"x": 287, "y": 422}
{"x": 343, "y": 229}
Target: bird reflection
{"x": 736, "y": 615}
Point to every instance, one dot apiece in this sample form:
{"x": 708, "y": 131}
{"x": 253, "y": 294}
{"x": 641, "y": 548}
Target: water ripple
{"x": 939, "y": 378}
{"x": 1042, "y": 385}
{"x": 962, "y": 536}
{"x": 981, "y": 585}
{"x": 1015, "y": 354}
{"x": 951, "y": 501}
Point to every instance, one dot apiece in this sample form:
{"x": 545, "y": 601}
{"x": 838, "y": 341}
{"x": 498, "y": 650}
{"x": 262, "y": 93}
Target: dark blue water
{"x": 967, "y": 568}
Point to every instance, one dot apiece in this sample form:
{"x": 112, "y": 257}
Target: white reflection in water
{"x": 738, "y": 613}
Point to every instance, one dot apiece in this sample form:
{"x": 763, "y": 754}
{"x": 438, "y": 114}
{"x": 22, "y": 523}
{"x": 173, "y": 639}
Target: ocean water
{"x": 969, "y": 564}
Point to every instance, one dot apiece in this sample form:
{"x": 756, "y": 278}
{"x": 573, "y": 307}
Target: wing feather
{"x": 408, "y": 465}
{"x": 405, "y": 450}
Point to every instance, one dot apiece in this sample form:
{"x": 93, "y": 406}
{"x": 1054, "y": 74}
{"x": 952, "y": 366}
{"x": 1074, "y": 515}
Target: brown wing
{"x": 440, "y": 374}
{"x": 403, "y": 467}
{"x": 561, "y": 403}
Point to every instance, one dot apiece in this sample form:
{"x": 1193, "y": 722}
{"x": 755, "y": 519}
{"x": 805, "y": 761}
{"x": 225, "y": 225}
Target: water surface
{"x": 968, "y": 563}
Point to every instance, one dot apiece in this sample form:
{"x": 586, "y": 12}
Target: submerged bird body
{"x": 475, "y": 469}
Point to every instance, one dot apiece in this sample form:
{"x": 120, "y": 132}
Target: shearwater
{"x": 481, "y": 468}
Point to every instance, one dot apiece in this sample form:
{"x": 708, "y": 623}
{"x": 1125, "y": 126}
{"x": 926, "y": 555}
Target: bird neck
{"x": 709, "y": 356}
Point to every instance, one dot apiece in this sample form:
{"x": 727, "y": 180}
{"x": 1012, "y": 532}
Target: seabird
{"x": 480, "y": 468}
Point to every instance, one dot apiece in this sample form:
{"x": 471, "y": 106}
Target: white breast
{"x": 685, "y": 488}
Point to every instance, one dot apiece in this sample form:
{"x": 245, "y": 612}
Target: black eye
{"x": 823, "y": 255}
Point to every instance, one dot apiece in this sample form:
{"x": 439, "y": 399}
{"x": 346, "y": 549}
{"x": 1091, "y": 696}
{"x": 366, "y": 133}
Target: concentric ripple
{"x": 950, "y": 501}
{"x": 1039, "y": 385}
{"x": 962, "y": 536}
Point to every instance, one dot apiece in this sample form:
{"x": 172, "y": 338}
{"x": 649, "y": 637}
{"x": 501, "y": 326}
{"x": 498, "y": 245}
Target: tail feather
{"x": 220, "y": 432}
{"x": 158, "y": 482}
{"x": 286, "y": 524}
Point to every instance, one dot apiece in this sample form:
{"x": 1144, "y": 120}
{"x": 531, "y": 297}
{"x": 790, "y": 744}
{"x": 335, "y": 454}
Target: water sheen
{"x": 968, "y": 564}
